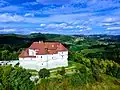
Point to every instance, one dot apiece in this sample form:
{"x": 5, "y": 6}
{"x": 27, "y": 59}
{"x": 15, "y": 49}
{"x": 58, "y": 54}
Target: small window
{"x": 41, "y": 56}
{"x": 32, "y": 53}
{"x": 42, "y": 63}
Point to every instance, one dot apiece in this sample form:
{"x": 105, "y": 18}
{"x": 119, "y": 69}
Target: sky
{"x": 60, "y": 16}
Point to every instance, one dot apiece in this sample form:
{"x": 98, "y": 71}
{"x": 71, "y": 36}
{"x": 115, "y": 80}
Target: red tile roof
{"x": 25, "y": 54}
{"x": 43, "y": 48}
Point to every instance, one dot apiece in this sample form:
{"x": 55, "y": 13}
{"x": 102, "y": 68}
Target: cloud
{"x": 113, "y": 28}
{"x": 57, "y": 16}
{"x": 54, "y": 25}
{"x": 7, "y": 30}
{"x": 110, "y": 24}
{"x": 29, "y": 15}
{"x": 10, "y": 18}
{"x": 111, "y": 19}
{"x": 42, "y": 25}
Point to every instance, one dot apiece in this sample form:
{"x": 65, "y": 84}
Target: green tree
{"x": 20, "y": 79}
{"x": 5, "y": 79}
{"x": 44, "y": 73}
{"x": 15, "y": 78}
{"x": 118, "y": 73}
{"x": 5, "y": 55}
{"x": 62, "y": 71}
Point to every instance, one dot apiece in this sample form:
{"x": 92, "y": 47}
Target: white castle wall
{"x": 45, "y": 61}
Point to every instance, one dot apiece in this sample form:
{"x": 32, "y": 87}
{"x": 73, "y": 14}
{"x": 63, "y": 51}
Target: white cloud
{"x": 54, "y": 25}
{"x": 79, "y": 26}
{"x": 110, "y": 19}
{"x": 105, "y": 24}
{"x": 80, "y": 30}
{"x": 10, "y": 18}
{"x": 42, "y": 25}
{"x": 113, "y": 28}
{"x": 88, "y": 28}
{"x": 7, "y": 30}
{"x": 69, "y": 27}
{"x": 29, "y": 14}
{"x": 110, "y": 24}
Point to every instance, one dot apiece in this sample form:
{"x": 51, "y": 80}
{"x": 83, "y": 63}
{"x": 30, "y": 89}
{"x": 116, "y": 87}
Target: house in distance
{"x": 44, "y": 55}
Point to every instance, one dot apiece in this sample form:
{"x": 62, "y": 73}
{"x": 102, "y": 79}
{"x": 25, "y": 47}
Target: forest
{"x": 94, "y": 63}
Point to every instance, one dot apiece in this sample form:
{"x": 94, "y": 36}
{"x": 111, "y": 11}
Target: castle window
{"x": 32, "y": 53}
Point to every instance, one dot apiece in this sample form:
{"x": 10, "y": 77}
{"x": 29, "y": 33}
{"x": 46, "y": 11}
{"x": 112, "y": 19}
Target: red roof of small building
{"x": 43, "y": 48}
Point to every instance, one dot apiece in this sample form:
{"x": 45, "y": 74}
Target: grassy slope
{"x": 57, "y": 82}
{"x": 60, "y": 83}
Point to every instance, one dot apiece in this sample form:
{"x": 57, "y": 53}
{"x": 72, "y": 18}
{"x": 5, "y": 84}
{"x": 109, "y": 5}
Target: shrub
{"x": 44, "y": 73}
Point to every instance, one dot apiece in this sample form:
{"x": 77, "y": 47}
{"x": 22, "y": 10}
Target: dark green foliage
{"x": 96, "y": 73}
{"x": 44, "y": 73}
{"x": 15, "y": 78}
{"x": 81, "y": 78}
{"x": 7, "y": 55}
{"x": 118, "y": 73}
{"x": 62, "y": 71}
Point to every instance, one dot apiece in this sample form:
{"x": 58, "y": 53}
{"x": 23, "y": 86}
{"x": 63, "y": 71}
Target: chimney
{"x": 40, "y": 41}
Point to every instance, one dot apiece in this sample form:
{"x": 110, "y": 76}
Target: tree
{"x": 44, "y": 73}
{"x": 15, "y": 78}
{"x": 62, "y": 71}
{"x": 118, "y": 73}
{"x": 20, "y": 79}
{"x": 96, "y": 72}
{"x": 5, "y": 55}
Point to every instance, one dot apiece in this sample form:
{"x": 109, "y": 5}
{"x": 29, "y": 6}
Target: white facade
{"x": 44, "y": 61}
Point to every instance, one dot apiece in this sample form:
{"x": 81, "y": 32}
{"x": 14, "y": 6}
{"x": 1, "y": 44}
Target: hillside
{"x": 94, "y": 63}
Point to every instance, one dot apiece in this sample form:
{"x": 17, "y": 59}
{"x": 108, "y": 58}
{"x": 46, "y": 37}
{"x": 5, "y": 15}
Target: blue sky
{"x": 60, "y": 16}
